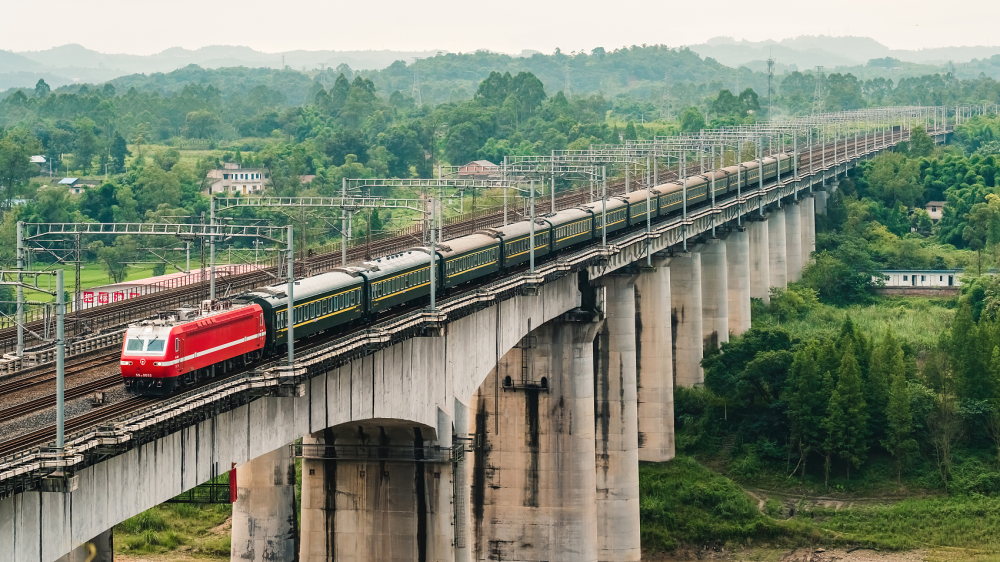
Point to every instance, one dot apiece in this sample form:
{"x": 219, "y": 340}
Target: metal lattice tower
{"x": 818, "y": 96}
{"x": 416, "y": 83}
{"x": 770, "y": 77}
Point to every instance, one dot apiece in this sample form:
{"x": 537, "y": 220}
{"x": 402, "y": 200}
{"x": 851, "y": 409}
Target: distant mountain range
{"x": 807, "y": 52}
{"x": 71, "y": 64}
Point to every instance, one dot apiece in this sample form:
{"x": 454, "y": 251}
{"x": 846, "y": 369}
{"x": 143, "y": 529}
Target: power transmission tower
{"x": 818, "y": 96}
{"x": 770, "y": 77}
{"x": 416, "y": 83}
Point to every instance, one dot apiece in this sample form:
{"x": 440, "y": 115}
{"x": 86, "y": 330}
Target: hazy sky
{"x": 120, "y": 26}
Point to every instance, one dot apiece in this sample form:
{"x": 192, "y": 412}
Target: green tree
{"x": 119, "y": 152}
{"x": 983, "y": 227}
{"x": 42, "y": 89}
{"x": 879, "y": 381}
{"x": 846, "y": 422}
{"x": 692, "y": 120}
{"x": 155, "y": 187}
{"x": 630, "y": 134}
{"x": 462, "y": 143}
{"x": 201, "y": 124}
{"x": 892, "y": 178}
{"x": 899, "y": 439}
{"x": 114, "y": 259}
{"x": 807, "y": 399}
{"x": 86, "y": 145}
{"x": 17, "y": 146}
{"x": 921, "y": 144}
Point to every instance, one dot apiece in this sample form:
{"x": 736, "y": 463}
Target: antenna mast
{"x": 818, "y": 96}
{"x": 770, "y": 77}
{"x": 416, "y": 83}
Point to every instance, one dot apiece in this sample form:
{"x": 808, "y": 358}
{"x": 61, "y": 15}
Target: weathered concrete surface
{"x": 685, "y": 317}
{"x": 534, "y": 483}
{"x": 407, "y": 382}
{"x": 264, "y": 514}
{"x": 793, "y": 241}
{"x": 463, "y": 479}
{"x": 99, "y": 549}
{"x": 776, "y": 252}
{"x": 381, "y": 510}
{"x": 760, "y": 264}
{"x": 808, "y": 208}
{"x": 738, "y": 277}
{"x": 821, "y": 197}
{"x": 654, "y": 366}
{"x": 318, "y": 496}
{"x": 616, "y": 426}
{"x": 714, "y": 294}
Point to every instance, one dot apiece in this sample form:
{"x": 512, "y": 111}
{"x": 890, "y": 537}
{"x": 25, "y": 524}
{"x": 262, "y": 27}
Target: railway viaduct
{"x": 506, "y": 425}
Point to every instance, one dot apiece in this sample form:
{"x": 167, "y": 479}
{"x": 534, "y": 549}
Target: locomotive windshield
{"x": 146, "y": 341}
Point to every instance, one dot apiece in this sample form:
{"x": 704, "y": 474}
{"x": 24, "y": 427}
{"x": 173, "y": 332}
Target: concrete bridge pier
{"x": 714, "y": 294}
{"x": 808, "y": 208}
{"x": 738, "y": 277}
{"x": 463, "y": 484}
{"x": 793, "y": 241}
{"x": 616, "y": 426}
{"x": 318, "y": 497}
{"x": 264, "y": 514}
{"x": 760, "y": 264}
{"x": 821, "y": 197}
{"x": 654, "y": 364}
{"x": 99, "y": 549}
{"x": 534, "y": 479}
{"x": 378, "y": 495}
{"x": 685, "y": 318}
{"x": 776, "y": 251}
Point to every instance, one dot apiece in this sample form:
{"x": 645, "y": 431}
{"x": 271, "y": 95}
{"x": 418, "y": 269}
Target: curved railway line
{"x": 144, "y": 306}
{"x": 140, "y": 307}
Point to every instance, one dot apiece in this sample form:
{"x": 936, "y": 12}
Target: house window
{"x": 923, "y": 278}
{"x": 225, "y": 176}
{"x": 940, "y": 277}
{"x": 906, "y": 278}
{"x": 933, "y": 209}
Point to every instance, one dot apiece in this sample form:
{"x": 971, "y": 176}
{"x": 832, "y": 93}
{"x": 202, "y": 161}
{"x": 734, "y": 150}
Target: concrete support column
{"x": 654, "y": 366}
{"x": 738, "y": 276}
{"x": 463, "y": 485}
{"x": 318, "y": 497}
{"x": 793, "y": 241}
{"x": 616, "y": 426}
{"x": 685, "y": 318}
{"x": 807, "y": 212}
{"x": 392, "y": 509}
{"x": 760, "y": 264}
{"x": 714, "y": 295}
{"x": 776, "y": 253}
{"x": 264, "y": 515}
{"x": 99, "y": 549}
{"x": 534, "y": 481}
{"x": 821, "y": 197}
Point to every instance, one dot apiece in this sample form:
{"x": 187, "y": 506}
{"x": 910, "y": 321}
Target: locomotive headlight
{"x": 126, "y": 363}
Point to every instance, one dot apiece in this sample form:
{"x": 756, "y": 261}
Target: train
{"x": 180, "y": 347}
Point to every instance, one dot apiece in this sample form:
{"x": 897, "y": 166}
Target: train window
{"x": 177, "y": 344}
{"x": 155, "y": 345}
{"x": 133, "y": 345}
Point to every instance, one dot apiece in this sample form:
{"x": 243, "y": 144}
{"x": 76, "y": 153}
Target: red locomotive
{"x": 183, "y": 346}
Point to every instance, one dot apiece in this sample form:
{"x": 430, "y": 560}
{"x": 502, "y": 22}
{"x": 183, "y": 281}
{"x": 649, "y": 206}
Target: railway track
{"x": 73, "y": 425}
{"x": 49, "y": 401}
{"x": 133, "y": 309}
{"x": 387, "y": 246}
{"x": 50, "y": 376}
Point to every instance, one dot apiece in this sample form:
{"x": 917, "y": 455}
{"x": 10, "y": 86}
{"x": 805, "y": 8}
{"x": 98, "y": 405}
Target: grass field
{"x": 684, "y": 504}
{"x": 914, "y": 319}
{"x": 196, "y": 529}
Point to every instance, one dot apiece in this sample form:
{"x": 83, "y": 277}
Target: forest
{"x": 835, "y": 389}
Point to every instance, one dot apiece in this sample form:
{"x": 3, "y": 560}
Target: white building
{"x": 922, "y": 277}
{"x": 235, "y": 179}
{"x": 934, "y": 209}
